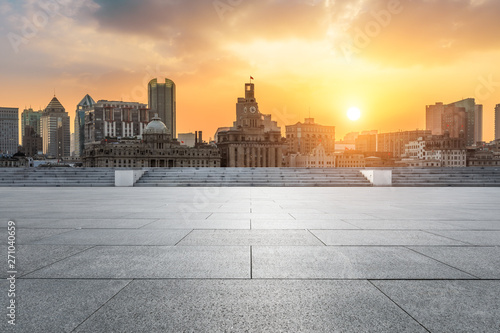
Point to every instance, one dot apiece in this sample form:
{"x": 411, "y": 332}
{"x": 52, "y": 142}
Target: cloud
{"x": 424, "y": 32}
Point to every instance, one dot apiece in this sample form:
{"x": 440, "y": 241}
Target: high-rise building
{"x": 85, "y": 104}
{"x": 464, "y": 115}
{"x": 497, "y": 122}
{"x": 469, "y": 105}
{"x": 112, "y": 119}
{"x": 9, "y": 130}
{"x": 254, "y": 140}
{"x": 31, "y": 132}
{"x": 442, "y": 118}
{"x": 304, "y": 137}
{"x": 161, "y": 99}
{"x": 478, "y": 124}
{"x": 55, "y": 130}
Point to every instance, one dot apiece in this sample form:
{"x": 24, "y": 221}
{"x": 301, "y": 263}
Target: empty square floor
{"x": 251, "y": 259}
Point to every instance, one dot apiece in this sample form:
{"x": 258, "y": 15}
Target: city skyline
{"x": 377, "y": 56}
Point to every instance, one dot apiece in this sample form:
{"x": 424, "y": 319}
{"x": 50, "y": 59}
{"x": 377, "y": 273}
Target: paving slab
{"x": 199, "y": 224}
{"x": 185, "y": 215}
{"x": 300, "y": 224}
{"x": 399, "y": 224}
{"x": 327, "y": 262}
{"x": 327, "y": 216}
{"x": 381, "y": 237}
{"x": 249, "y": 237}
{"x": 250, "y": 306}
{"x": 31, "y": 236}
{"x": 85, "y": 223}
{"x": 448, "y": 306}
{"x": 486, "y": 238}
{"x": 57, "y": 305}
{"x": 483, "y": 262}
{"x": 475, "y": 225}
{"x": 142, "y": 262}
{"x": 235, "y": 216}
{"x": 32, "y": 257}
{"x": 116, "y": 237}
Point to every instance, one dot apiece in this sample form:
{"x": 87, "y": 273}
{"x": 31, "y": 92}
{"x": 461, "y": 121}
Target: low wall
{"x": 127, "y": 178}
{"x": 378, "y": 177}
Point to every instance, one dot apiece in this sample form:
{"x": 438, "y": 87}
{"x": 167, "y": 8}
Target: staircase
{"x": 57, "y": 176}
{"x": 263, "y": 177}
{"x": 458, "y": 177}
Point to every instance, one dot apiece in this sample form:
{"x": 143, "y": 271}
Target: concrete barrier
{"x": 127, "y": 178}
{"x": 378, "y": 177}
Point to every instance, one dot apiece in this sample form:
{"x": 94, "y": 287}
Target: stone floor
{"x": 253, "y": 259}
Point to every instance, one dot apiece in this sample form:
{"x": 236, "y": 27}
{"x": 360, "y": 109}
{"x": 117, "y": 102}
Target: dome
{"x": 156, "y": 126}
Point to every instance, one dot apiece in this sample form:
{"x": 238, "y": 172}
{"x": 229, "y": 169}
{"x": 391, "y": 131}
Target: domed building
{"x": 156, "y": 149}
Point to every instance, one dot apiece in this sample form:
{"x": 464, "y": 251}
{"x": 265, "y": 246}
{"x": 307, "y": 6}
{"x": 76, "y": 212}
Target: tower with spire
{"x": 55, "y": 130}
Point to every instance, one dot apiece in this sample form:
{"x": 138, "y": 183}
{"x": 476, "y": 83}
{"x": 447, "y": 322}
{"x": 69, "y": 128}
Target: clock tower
{"x": 254, "y": 140}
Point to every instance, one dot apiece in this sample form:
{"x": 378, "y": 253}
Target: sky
{"x": 308, "y": 58}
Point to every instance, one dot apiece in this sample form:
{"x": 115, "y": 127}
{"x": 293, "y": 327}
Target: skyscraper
{"x": 464, "y": 115}
{"x": 497, "y": 122}
{"x": 85, "y": 104}
{"x": 161, "y": 99}
{"x": 9, "y": 130}
{"x": 31, "y": 131}
{"x": 55, "y": 130}
{"x": 478, "y": 124}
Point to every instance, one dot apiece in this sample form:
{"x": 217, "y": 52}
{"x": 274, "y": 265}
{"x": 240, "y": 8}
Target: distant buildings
{"x": 254, "y": 140}
{"x": 367, "y": 142}
{"x": 157, "y": 149}
{"x": 350, "y": 159}
{"x": 318, "y": 158}
{"x": 497, "y": 122}
{"x": 395, "y": 142}
{"x": 437, "y": 151}
{"x": 9, "y": 130}
{"x": 486, "y": 155}
{"x": 85, "y": 105}
{"x": 31, "y": 128}
{"x": 55, "y": 130}
{"x": 162, "y": 100}
{"x": 464, "y": 115}
{"x": 112, "y": 119}
{"x": 303, "y": 138}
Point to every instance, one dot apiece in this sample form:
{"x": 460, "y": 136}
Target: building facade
{"x": 31, "y": 132}
{"x": 85, "y": 105}
{"x": 486, "y": 155}
{"x": 395, "y": 142}
{"x": 437, "y": 151}
{"x": 350, "y": 159}
{"x": 162, "y": 100}
{"x": 112, "y": 119}
{"x": 254, "y": 140}
{"x": 55, "y": 130}
{"x": 9, "y": 130}
{"x": 304, "y": 137}
{"x": 318, "y": 158}
{"x": 464, "y": 115}
{"x": 157, "y": 149}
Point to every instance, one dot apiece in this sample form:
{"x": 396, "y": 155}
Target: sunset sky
{"x": 389, "y": 58}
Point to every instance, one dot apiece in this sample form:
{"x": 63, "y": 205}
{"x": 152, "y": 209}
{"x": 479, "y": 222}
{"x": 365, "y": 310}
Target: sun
{"x": 353, "y": 114}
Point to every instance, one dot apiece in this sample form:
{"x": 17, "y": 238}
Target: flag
{"x": 251, "y": 78}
